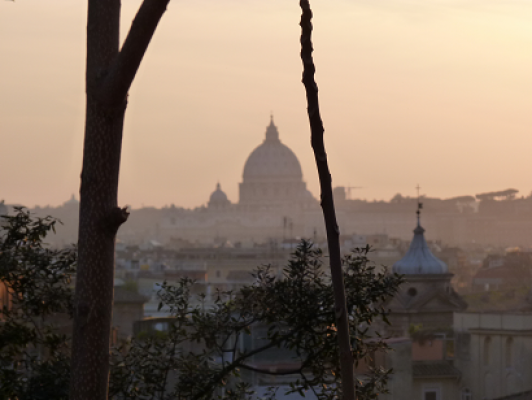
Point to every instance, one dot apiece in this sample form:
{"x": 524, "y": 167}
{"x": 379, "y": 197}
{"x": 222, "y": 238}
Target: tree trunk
{"x": 109, "y": 75}
{"x": 327, "y": 203}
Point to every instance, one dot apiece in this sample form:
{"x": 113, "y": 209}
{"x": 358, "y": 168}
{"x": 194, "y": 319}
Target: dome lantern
{"x": 272, "y": 134}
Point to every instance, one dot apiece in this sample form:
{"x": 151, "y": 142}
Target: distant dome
{"x": 272, "y": 176}
{"x": 72, "y": 201}
{"x": 419, "y": 259}
{"x": 218, "y": 198}
{"x": 272, "y": 160}
{"x": 218, "y": 195}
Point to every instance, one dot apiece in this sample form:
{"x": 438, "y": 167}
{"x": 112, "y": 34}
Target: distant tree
{"x": 398, "y": 198}
{"x": 197, "y": 358}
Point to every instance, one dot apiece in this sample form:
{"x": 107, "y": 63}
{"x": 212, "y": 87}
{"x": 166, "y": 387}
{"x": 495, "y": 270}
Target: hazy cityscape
{"x": 480, "y": 242}
{"x": 201, "y": 229}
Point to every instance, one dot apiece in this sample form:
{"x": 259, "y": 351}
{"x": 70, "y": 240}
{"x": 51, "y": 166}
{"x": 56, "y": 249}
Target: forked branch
{"x": 124, "y": 68}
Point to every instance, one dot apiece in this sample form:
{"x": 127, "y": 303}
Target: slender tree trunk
{"x": 109, "y": 75}
{"x": 327, "y": 203}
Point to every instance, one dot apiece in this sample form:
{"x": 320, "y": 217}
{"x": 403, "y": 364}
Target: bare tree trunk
{"x": 327, "y": 203}
{"x": 109, "y": 75}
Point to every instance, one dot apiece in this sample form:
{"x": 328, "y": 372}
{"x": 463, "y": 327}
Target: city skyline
{"x": 431, "y": 92}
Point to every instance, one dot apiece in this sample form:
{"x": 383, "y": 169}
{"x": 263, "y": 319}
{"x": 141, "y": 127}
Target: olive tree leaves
{"x": 214, "y": 352}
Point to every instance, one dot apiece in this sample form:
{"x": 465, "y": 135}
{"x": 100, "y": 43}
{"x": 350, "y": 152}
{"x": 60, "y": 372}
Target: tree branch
{"x": 268, "y": 372}
{"x": 327, "y": 202}
{"x": 238, "y": 362}
{"x": 167, "y": 370}
{"x": 309, "y": 383}
{"x": 122, "y": 71}
{"x": 116, "y": 218}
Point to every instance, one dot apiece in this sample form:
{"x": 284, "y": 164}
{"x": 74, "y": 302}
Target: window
{"x": 160, "y": 326}
{"x": 508, "y": 351}
{"x": 449, "y": 349}
{"x": 431, "y": 394}
{"x": 487, "y": 348}
{"x": 466, "y": 394}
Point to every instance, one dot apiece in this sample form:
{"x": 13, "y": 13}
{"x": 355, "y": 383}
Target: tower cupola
{"x": 419, "y": 259}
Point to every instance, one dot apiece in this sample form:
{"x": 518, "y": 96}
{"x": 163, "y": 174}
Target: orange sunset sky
{"x": 435, "y": 92}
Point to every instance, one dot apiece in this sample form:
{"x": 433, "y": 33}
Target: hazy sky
{"x": 435, "y": 92}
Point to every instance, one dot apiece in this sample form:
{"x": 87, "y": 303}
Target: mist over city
{"x": 168, "y": 228}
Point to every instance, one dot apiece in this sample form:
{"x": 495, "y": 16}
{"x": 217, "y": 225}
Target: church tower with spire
{"x": 426, "y": 298}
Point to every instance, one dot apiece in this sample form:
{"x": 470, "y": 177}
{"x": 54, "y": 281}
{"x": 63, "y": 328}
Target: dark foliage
{"x": 207, "y": 352}
{"x": 202, "y": 356}
{"x": 33, "y": 351}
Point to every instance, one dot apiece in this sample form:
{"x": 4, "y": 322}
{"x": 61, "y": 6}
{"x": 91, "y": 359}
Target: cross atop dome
{"x": 272, "y": 134}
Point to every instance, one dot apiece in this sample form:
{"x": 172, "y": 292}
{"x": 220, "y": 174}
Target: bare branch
{"x": 238, "y": 362}
{"x": 123, "y": 70}
{"x": 268, "y": 372}
{"x": 327, "y": 202}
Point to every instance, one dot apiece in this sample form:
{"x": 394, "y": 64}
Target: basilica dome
{"x": 272, "y": 160}
{"x": 272, "y": 175}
